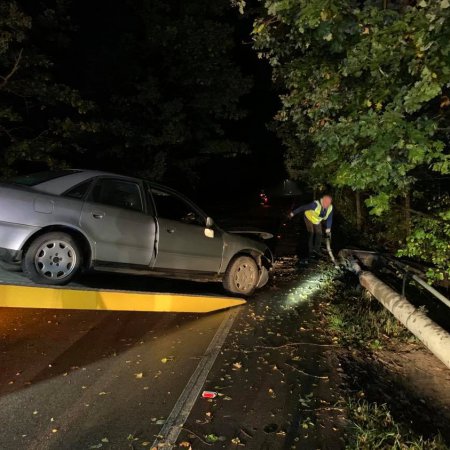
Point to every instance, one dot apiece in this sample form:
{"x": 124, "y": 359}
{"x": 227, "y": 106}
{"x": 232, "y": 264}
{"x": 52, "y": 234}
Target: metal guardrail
{"x": 433, "y": 336}
{"x": 370, "y": 258}
{"x": 431, "y": 290}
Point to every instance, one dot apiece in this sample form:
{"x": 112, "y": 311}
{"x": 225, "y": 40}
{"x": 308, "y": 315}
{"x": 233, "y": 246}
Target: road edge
{"x": 171, "y": 429}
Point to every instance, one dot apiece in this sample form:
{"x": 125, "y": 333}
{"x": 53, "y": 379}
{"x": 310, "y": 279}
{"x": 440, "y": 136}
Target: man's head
{"x": 326, "y": 201}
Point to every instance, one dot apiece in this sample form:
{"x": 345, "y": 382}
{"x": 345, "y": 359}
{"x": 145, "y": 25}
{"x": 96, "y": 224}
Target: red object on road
{"x": 209, "y": 394}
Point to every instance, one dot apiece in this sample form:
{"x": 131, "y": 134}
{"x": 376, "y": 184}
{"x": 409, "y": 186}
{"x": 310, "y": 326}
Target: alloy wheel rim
{"x": 245, "y": 277}
{"x": 55, "y": 259}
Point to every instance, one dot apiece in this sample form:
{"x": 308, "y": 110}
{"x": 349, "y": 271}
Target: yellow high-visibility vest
{"x": 313, "y": 215}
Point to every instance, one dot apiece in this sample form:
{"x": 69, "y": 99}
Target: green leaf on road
{"x": 212, "y": 438}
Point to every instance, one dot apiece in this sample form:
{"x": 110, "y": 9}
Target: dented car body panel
{"x": 123, "y": 224}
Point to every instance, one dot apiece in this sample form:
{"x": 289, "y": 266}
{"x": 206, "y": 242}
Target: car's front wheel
{"x": 52, "y": 258}
{"x": 241, "y": 276}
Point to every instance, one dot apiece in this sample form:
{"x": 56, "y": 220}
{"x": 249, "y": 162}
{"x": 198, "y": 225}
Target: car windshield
{"x": 40, "y": 177}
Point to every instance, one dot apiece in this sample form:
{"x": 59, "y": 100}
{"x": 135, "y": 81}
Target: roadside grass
{"x": 359, "y": 320}
{"x": 373, "y": 427}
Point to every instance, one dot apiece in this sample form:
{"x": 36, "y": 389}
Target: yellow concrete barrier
{"x": 17, "y": 296}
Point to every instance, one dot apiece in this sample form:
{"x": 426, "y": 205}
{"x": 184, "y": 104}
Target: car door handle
{"x": 98, "y": 215}
{"x": 170, "y": 230}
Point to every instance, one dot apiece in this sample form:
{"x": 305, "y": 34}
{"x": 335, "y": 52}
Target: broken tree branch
{"x": 294, "y": 344}
{"x": 306, "y": 373}
{"x": 14, "y": 69}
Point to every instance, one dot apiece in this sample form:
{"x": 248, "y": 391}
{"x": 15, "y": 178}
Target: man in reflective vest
{"x": 315, "y": 213}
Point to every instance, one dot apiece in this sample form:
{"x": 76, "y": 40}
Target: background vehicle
{"x": 58, "y": 223}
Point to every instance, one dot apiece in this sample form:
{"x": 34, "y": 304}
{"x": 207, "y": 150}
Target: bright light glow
{"x": 305, "y": 290}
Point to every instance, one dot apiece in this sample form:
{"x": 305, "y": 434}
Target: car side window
{"x": 78, "y": 192}
{"x": 118, "y": 193}
{"x": 172, "y": 207}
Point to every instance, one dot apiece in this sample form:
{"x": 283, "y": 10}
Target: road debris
{"x": 209, "y": 394}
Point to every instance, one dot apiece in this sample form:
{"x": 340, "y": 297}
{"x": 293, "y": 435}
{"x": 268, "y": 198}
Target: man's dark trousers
{"x": 314, "y": 236}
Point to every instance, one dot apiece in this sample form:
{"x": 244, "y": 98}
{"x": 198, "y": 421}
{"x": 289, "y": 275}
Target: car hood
{"x": 251, "y": 233}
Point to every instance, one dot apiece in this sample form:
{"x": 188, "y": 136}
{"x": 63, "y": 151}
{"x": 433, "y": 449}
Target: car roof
{"x": 74, "y": 177}
{"x": 71, "y": 178}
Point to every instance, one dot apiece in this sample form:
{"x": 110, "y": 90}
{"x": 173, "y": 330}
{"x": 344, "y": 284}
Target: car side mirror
{"x": 209, "y": 232}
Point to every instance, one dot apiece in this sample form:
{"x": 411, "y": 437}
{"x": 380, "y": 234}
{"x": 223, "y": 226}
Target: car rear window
{"x": 118, "y": 193}
{"x": 78, "y": 192}
{"x": 40, "y": 177}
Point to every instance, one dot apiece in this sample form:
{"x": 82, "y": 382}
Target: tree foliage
{"x": 429, "y": 240}
{"x": 166, "y": 84}
{"x": 36, "y": 110}
{"x": 365, "y": 101}
{"x": 152, "y": 88}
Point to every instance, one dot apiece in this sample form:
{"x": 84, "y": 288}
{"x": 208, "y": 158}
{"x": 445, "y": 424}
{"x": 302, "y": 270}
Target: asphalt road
{"x": 96, "y": 379}
{"x": 110, "y": 380}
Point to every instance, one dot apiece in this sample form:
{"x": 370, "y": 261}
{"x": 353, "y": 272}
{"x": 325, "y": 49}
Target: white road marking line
{"x": 171, "y": 429}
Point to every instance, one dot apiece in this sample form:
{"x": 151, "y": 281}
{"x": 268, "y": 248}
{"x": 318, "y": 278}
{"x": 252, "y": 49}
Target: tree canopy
{"x": 36, "y": 109}
{"x": 365, "y": 103}
{"x": 165, "y": 82}
{"x": 147, "y": 87}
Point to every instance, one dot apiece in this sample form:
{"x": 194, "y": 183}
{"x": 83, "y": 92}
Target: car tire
{"x": 242, "y": 276}
{"x": 52, "y": 258}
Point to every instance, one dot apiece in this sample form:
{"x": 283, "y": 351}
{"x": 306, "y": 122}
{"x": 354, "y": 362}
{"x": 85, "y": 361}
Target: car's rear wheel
{"x": 241, "y": 276}
{"x": 52, "y": 258}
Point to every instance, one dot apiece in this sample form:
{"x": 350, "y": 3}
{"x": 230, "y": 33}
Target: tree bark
{"x": 408, "y": 213}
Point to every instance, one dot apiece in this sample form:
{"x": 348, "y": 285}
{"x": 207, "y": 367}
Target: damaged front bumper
{"x": 265, "y": 266}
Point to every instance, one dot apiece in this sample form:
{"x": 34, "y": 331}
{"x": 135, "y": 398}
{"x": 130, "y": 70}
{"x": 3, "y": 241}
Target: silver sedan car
{"x": 56, "y": 224}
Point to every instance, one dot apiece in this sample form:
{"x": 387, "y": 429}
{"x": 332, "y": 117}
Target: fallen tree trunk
{"x": 434, "y": 337}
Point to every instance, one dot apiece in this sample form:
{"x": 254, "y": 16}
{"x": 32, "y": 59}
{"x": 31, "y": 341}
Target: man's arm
{"x": 304, "y": 208}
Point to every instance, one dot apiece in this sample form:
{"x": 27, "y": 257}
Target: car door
{"x": 116, "y": 218}
{"x": 184, "y": 242}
